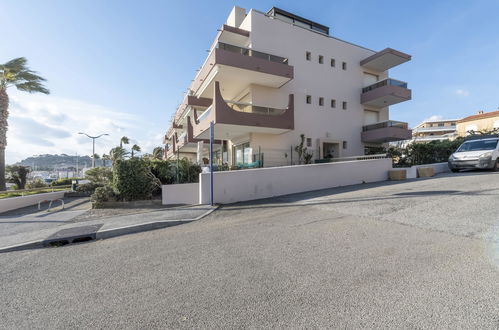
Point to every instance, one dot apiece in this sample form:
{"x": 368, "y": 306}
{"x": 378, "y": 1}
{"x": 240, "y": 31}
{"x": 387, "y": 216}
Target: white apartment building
{"x": 271, "y": 77}
{"x": 435, "y": 130}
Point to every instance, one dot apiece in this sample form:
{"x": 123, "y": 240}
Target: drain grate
{"x": 72, "y": 235}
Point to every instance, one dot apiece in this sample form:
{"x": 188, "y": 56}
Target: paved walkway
{"x": 31, "y": 228}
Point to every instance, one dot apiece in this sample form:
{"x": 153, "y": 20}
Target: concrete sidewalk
{"x": 65, "y": 231}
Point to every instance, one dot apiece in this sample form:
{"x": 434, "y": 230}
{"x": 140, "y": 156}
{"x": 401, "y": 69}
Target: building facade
{"x": 270, "y": 78}
{"x": 432, "y": 130}
{"x": 481, "y": 122}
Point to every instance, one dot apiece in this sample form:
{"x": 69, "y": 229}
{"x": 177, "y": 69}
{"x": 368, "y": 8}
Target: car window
{"x": 478, "y": 145}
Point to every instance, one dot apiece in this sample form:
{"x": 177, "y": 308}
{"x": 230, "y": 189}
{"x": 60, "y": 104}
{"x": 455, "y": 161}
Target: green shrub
{"x": 88, "y": 188}
{"x": 133, "y": 179}
{"x": 164, "y": 170}
{"x": 99, "y": 175}
{"x": 37, "y": 183}
{"x": 63, "y": 181}
{"x": 101, "y": 195}
{"x": 188, "y": 172}
{"x": 424, "y": 153}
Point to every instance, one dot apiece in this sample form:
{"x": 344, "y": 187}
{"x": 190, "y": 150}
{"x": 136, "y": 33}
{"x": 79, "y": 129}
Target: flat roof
{"x": 275, "y": 10}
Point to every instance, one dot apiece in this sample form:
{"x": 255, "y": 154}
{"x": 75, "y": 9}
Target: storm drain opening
{"x": 72, "y": 236}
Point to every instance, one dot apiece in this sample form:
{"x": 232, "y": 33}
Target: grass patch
{"x": 27, "y": 192}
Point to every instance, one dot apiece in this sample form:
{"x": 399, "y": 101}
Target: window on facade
{"x": 440, "y": 124}
{"x": 333, "y": 62}
{"x": 309, "y": 142}
{"x": 321, "y": 101}
{"x": 321, "y": 59}
{"x": 308, "y": 56}
{"x": 333, "y": 103}
{"x": 344, "y": 144}
{"x": 344, "y": 105}
{"x": 309, "y": 99}
{"x": 242, "y": 153}
{"x": 453, "y": 124}
{"x": 344, "y": 65}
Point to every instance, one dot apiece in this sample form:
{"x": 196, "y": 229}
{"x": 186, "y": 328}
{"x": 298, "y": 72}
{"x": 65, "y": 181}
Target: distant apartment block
{"x": 481, "y": 122}
{"x": 270, "y": 77}
{"x": 435, "y": 130}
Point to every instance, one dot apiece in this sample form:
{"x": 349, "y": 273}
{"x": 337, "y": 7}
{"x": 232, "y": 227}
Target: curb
{"x": 113, "y": 232}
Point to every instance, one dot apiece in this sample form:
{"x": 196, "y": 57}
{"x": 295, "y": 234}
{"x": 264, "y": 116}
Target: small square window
{"x": 321, "y": 101}
{"x": 309, "y": 99}
{"x": 333, "y": 62}
{"x": 344, "y": 105}
{"x": 309, "y": 142}
{"x": 321, "y": 59}
{"x": 344, "y": 144}
{"x": 344, "y": 65}
{"x": 333, "y": 103}
{"x": 308, "y": 56}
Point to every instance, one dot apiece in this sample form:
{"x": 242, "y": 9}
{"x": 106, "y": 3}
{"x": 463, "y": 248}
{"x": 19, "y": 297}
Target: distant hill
{"x": 55, "y": 162}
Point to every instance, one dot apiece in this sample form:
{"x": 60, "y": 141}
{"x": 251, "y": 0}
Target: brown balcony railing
{"x": 383, "y": 124}
{"x": 252, "y": 53}
{"x": 250, "y": 108}
{"x": 386, "y": 82}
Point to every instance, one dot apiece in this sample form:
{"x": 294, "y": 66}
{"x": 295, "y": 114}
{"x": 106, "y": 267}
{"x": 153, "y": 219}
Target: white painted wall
{"x": 412, "y": 172}
{"x": 13, "y": 203}
{"x": 186, "y": 193}
{"x": 244, "y": 185}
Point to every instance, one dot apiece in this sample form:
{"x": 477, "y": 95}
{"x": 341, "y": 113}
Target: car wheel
{"x": 496, "y": 166}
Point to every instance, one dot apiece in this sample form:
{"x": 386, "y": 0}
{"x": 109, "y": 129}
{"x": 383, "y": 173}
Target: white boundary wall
{"x": 412, "y": 172}
{"x": 186, "y": 193}
{"x": 12, "y": 203}
{"x": 251, "y": 184}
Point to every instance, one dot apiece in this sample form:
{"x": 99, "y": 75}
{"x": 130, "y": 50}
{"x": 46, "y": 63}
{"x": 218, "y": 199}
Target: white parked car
{"x": 477, "y": 153}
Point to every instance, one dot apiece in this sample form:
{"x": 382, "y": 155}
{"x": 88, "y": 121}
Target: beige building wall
{"x": 479, "y": 124}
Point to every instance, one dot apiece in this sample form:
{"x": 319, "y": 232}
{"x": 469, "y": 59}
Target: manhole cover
{"x": 72, "y": 235}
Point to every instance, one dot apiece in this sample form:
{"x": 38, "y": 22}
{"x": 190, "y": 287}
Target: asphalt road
{"x": 419, "y": 254}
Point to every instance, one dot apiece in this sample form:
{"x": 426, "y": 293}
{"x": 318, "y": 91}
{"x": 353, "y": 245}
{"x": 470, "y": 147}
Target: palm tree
{"x": 158, "y": 152}
{"x": 104, "y": 159}
{"x": 124, "y": 140}
{"x": 135, "y": 148}
{"x": 14, "y": 73}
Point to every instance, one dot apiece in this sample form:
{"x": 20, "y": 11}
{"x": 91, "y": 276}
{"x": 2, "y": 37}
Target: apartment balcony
{"x": 191, "y": 102}
{"x": 233, "y": 119}
{"x": 237, "y": 67}
{"x": 386, "y": 131}
{"x": 234, "y": 36}
{"x": 188, "y": 143}
{"x": 385, "y": 93}
{"x": 385, "y": 60}
{"x": 434, "y": 129}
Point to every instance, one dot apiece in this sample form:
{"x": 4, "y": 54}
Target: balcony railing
{"x": 383, "y": 124}
{"x": 250, "y": 108}
{"x": 204, "y": 114}
{"x": 386, "y": 82}
{"x": 182, "y": 137}
{"x": 252, "y": 53}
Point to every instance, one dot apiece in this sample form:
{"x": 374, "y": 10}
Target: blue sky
{"x": 122, "y": 66}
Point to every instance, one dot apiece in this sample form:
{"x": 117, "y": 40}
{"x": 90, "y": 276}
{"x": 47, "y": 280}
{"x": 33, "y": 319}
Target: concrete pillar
{"x": 200, "y": 153}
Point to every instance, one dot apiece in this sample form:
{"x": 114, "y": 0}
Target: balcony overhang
{"x": 385, "y": 96}
{"x": 386, "y": 134}
{"x": 236, "y": 71}
{"x": 230, "y": 124}
{"x": 194, "y": 102}
{"x": 234, "y": 36}
{"x": 385, "y": 60}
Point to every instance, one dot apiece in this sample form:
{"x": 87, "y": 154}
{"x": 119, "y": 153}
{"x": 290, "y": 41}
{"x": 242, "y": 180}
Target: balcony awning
{"x": 385, "y": 59}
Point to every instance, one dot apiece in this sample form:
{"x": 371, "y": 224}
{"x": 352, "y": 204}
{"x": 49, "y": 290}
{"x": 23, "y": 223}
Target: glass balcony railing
{"x": 182, "y": 137}
{"x": 252, "y": 53}
{"x": 383, "y": 124}
{"x": 204, "y": 114}
{"x": 250, "y": 108}
{"x": 386, "y": 82}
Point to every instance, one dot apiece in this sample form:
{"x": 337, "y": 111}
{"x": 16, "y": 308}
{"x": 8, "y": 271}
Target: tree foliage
{"x": 18, "y": 175}
{"x": 133, "y": 179}
{"x": 99, "y": 175}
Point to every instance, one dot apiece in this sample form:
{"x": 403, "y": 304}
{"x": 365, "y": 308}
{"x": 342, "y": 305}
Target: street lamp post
{"x": 93, "y": 144}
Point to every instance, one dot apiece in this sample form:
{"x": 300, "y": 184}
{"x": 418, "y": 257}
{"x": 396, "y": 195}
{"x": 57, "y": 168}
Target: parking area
{"x": 413, "y": 254}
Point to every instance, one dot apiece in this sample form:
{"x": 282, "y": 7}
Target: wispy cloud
{"x": 434, "y": 117}
{"x": 40, "y": 124}
{"x": 462, "y": 92}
